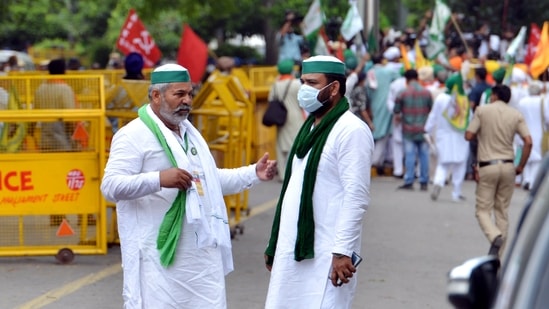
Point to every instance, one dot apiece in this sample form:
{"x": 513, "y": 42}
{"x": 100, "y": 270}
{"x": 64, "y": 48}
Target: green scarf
{"x": 170, "y": 229}
{"x": 313, "y": 140}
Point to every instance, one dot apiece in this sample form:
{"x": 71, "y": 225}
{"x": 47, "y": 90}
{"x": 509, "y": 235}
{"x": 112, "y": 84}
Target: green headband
{"x": 161, "y": 77}
{"x": 327, "y": 67}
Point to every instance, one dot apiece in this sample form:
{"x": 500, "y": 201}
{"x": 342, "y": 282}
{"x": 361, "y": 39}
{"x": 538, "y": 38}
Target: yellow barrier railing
{"x": 50, "y": 202}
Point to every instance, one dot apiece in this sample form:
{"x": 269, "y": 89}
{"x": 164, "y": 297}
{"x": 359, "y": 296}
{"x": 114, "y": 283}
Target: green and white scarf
{"x": 210, "y": 231}
{"x": 313, "y": 141}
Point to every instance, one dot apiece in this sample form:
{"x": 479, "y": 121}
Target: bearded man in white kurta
{"x": 325, "y": 194}
{"x": 172, "y": 220}
{"x": 452, "y": 148}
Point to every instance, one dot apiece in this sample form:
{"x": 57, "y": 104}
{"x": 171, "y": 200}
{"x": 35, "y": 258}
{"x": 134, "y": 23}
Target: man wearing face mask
{"x": 326, "y": 191}
{"x": 172, "y": 220}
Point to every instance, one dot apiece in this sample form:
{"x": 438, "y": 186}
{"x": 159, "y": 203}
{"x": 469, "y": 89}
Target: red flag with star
{"x": 134, "y": 37}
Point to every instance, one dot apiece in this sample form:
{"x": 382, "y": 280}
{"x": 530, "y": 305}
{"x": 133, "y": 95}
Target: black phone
{"x": 356, "y": 259}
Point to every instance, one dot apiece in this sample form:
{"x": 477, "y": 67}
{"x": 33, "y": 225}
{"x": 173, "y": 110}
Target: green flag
{"x": 517, "y": 43}
{"x": 441, "y": 15}
{"x": 312, "y": 29}
{"x": 352, "y": 24}
{"x": 372, "y": 42}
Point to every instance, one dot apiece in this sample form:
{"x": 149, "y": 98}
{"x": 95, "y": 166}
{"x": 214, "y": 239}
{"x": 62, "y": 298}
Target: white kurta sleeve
{"x": 236, "y": 180}
{"x": 354, "y": 164}
{"x": 435, "y": 113}
{"x": 124, "y": 178}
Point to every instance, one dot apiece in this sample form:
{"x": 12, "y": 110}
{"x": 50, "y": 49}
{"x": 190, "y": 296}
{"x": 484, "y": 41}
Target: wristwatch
{"x": 338, "y": 255}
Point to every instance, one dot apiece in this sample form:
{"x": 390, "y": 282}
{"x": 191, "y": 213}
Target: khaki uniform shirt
{"x": 496, "y": 125}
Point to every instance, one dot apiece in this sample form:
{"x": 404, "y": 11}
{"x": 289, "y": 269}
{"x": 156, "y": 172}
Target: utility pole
{"x": 369, "y": 10}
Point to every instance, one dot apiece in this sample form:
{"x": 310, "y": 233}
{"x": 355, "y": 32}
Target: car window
{"x": 538, "y": 269}
{"x": 542, "y": 299}
{"x": 524, "y": 277}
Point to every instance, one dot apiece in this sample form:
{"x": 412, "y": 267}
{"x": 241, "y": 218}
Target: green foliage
{"x": 243, "y": 52}
{"x": 98, "y": 51}
{"x": 96, "y": 25}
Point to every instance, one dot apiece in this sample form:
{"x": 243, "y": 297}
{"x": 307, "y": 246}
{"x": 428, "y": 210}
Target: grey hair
{"x": 535, "y": 87}
{"x": 442, "y": 76}
{"x": 160, "y": 87}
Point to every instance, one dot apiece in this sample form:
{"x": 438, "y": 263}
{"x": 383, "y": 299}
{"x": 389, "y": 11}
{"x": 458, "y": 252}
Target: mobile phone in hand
{"x": 356, "y": 259}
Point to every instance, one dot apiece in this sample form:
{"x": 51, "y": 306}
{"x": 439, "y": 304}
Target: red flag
{"x": 192, "y": 54}
{"x": 541, "y": 58}
{"x": 533, "y": 41}
{"x": 134, "y": 37}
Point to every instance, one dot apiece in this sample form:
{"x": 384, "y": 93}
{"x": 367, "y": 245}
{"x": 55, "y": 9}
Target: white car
{"x": 523, "y": 280}
{"x": 25, "y": 61}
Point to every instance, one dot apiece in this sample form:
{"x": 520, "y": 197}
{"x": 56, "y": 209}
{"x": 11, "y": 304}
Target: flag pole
{"x": 460, "y": 33}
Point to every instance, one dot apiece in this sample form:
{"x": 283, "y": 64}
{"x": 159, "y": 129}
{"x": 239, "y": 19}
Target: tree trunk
{"x": 271, "y": 48}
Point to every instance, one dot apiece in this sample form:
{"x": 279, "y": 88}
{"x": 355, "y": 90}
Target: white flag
{"x": 441, "y": 14}
{"x": 517, "y": 42}
{"x": 313, "y": 20}
{"x": 311, "y": 28}
{"x": 352, "y": 23}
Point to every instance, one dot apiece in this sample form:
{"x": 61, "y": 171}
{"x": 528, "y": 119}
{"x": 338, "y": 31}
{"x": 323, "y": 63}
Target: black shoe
{"x": 380, "y": 171}
{"x": 406, "y": 187}
{"x": 496, "y": 245}
{"x": 423, "y": 187}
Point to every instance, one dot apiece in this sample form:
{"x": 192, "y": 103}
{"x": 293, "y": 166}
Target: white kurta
{"x": 196, "y": 278}
{"x": 518, "y": 92}
{"x": 451, "y": 144}
{"x": 396, "y": 87}
{"x": 530, "y": 107}
{"x": 341, "y": 197}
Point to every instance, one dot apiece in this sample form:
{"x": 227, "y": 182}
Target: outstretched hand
{"x": 265, "y": 168}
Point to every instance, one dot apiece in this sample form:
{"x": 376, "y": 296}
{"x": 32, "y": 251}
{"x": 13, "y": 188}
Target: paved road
{"x": 409, "y": 244}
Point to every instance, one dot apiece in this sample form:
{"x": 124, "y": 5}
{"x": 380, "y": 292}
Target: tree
{"x": 93, "y": 27}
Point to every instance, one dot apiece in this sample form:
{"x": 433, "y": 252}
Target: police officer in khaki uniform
{"x": 495, "y": 125}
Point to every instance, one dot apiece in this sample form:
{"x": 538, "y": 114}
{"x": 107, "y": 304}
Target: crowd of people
{"x": 474, "y": 112}
{"x": 347, "y": 116}
{"x": 350, "y": 115}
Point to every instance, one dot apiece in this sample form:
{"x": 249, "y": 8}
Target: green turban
{"x": 285, "y": 66}
{"x": 499, "y": 75}
{"x": 170, "y": 73}
{"x": 455, "y": 80}
{"x": 323, "y": 64}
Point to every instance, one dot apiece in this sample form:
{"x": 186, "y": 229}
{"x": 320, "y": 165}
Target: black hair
{"x": 410, "y": 74}
{"x": 481, "y": 73}
{"x": 341, "y": 79}
{"x": 503, "y": 92}
{"x": 377, "y": 58}
{"x": 57, "y": 66}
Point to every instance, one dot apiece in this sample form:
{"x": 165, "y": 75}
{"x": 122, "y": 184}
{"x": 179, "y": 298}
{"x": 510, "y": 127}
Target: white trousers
{"x": 457, "y": 169}
{"x": 398, "y": 157}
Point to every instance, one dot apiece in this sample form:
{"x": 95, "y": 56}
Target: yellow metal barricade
{"x": 262, "y": 78}
{"x": 122, "y": 107}
{"x": 50, "y": 201}
{"x": 222, "y": 112}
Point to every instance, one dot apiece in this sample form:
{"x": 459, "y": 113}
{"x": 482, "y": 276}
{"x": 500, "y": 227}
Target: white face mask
{"x": 308, "y": 98}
